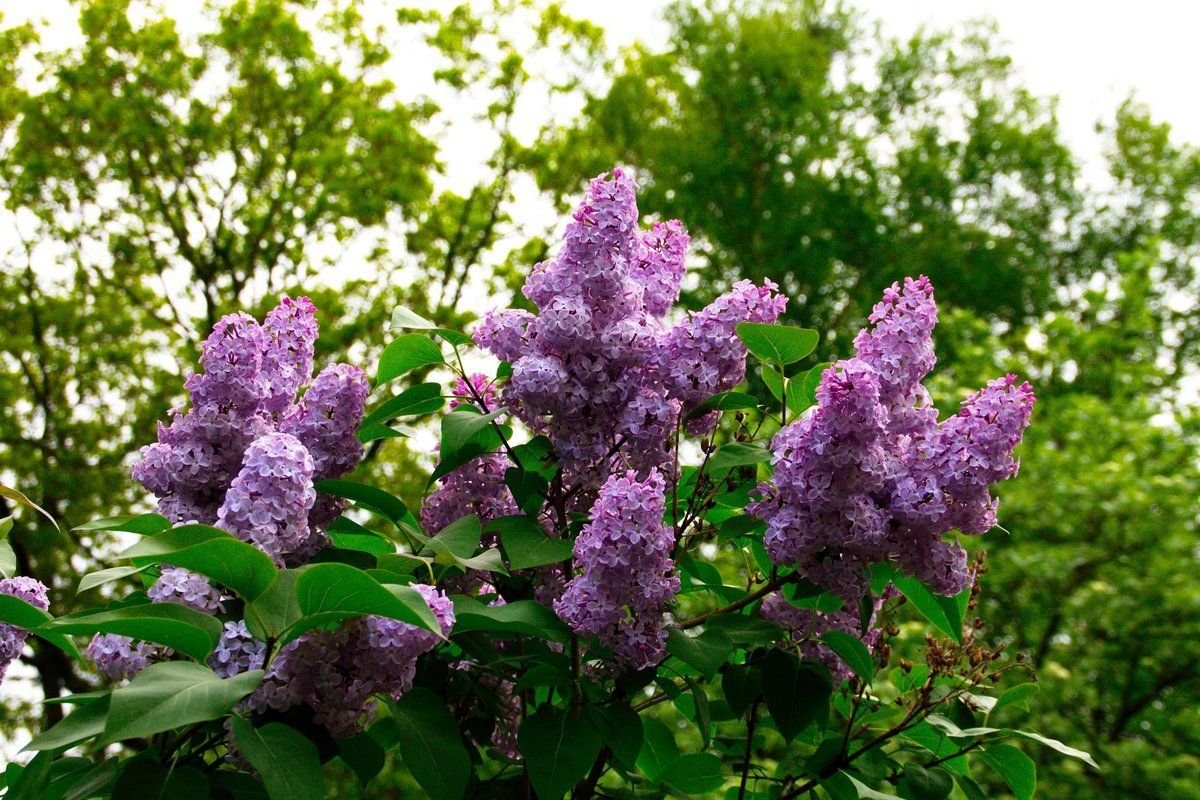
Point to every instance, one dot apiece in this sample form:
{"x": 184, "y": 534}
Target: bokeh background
{"x": 164, "y": 163}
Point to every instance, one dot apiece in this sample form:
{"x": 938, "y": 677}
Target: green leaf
{"x": 724, "y": 401}
{"x": 706, "y": 652}
{"x": 558, "y": 750}
{"x": 363, "y": 755}
{"x": 276, "y": 609}
{"x": 944, "y": 613}
{"x": 461, "y": 425}
{"x": 746, "y": 631}
{"x": 520, "y": 616}
{"x": 371, "y": 433}
{"x": 693, "y": 773}
{"x": 742, "y": 686}
{"x": 172, "y": 694}
{"x": 773, "y": 379}
{"x": 31, "y": 781}
{"x": 331, "y": 591}
{"x": 526, "y": 544}
{"x": 658, "y": 749}
{"x": 407, "y": 318}
{"x": 921, "y": 783}
{"x": 82, "y": 724}
{"x": 411, "y": 351}
{"x": 844, "y": 786}
{"x": 456, "y": 544}
{"x": 777, "y": 344}
{"x": 369, "y": 498}
{"x": 287, "y": 761}
{"x": 1059, "y": 747}
{"x": 143, "y": 778}
{"x": 16, "y": 611}
{"x": 1018, "y": 696}
{"x": 431, "y": 745}
{"x": 94, "y": 579}
{"x": 18, "y": 497}
{"x": 852, "y": 651}
{"x": 172, "y": 624}
{"x": 1014, "y": 768}
{"x": 620, "y": 729}
{"x": 424, "y": 398}
{"x": 95, "y": 782}
{"x": 213, "y": 553}
{"x": 738, "y": 454}
{"x": 142, "y": 524}
{"x": 797, "y": 693}
{"x": 8, "y": 557}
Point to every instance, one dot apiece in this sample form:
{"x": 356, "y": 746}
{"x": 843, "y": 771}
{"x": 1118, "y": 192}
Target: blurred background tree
{"x": 154, "y": 180}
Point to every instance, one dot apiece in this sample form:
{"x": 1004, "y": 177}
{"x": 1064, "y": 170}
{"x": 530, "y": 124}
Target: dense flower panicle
{"x": 476, "y": 487}
{"x": 248, "y": 391}
{"x": 268, "y": 502}
{"x": 337, "y": 673}
{"x": 237, "y": 651}
{"x": 592, "y": 369}
{"x": 626, "y": 573}
{"x": 177, "y": 585}
{"x": 661, "y": 265}
{"x": 805, "y": 627}
{"x": 119, "y": 658}
{"x": 232, "y": 358}
{"x": 871, "y": 475}
{"x": 290, "y": 332}
{"x": 327, "y": 418}
{"x": 702, "y": 354}
{"x": 899, "y": 347}
{"x": 12, "y": 638}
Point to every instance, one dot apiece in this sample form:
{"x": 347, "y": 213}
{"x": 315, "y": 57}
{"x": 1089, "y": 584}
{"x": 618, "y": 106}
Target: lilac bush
{"x": 606, "y": 552}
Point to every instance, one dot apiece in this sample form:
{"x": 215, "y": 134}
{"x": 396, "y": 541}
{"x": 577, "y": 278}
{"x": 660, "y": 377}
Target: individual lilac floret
{"x": 338, "y": 673}
{"x": 702, "y": 354}
{"x": 899, "y": 347}
{"x": 177, "y": 585}
{"x": 290, "y": 334}
{"x": 476, "y": 487}
{"x": 871, "y": 475}
{"x": 12, "y": 638}
{"x": 237, "y": 651}
{"x": 119, "y": 658}
{"x": 805, "y": 627}
{"x": 268, "y": 502}
{"x": 626, "y": 573}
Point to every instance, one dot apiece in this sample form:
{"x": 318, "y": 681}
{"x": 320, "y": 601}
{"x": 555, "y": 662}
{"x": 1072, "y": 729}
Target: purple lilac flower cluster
{"x": 597, "y": 369}
{"x": 244, "y": 456}
{"x": 12, "y": 638}
{"x": 247, "y": 428}
{"x": 337, "y": 673}
{"x": 871, "y": 475}
{"x": 626, "y": 571}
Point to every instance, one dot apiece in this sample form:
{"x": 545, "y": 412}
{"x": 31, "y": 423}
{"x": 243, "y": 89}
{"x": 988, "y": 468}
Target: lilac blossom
{"x": 119, "y": 658}
{"x": 476, "y": 487}
{"x": 337, "y": 673}
{"x": 290, "y": 336}
{"x": 596, "y": 369}
{"x": 870, "y": 475}
{"x": 12, "y": 638}
{"x": 702, "y": 355}
{"x": 268, "y": 502}
{"x": 237, "y": 651}
{"x": 185, "y": 587}
{"x": 626, "y": 573}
